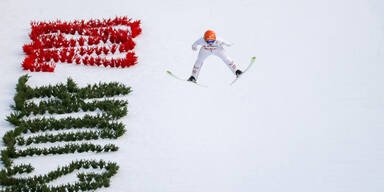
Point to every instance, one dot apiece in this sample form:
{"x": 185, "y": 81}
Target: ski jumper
{"x": 215, "y": 48}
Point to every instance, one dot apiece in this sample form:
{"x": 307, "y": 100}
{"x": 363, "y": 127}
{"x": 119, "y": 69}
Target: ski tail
{"x": 181, "y": 79}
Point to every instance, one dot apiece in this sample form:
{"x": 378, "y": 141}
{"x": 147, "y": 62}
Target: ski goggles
{"x": 212, "y": 41}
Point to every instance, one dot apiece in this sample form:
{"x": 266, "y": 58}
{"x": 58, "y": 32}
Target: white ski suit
{"x": 206, "y": 50}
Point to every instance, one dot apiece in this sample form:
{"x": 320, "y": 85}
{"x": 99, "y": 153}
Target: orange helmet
{"x": 209, "y": 35}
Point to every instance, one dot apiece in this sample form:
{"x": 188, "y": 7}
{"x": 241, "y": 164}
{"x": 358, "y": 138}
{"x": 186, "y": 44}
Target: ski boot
{"x": 238, "y": 73}
{"x": 192, "y": 79}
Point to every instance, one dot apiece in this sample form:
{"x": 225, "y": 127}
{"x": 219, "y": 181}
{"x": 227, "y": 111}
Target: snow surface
{"x": 307, "y": 117}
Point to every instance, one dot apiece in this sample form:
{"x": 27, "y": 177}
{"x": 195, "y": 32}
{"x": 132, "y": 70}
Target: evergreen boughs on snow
{"x": 62, "y": 99}
{"x": 66, "y": 91}
{"x": 90, "y": 181}
{"x": 112, "y": 108}
{"x": 69, "y": 148}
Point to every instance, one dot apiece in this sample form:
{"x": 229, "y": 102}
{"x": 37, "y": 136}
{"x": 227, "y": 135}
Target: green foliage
{"x": 14, "y": 118}
{"x": 87, "y": 182}
{"x": 112, "y": 108}
{"x": 60, "y": 99}
{"x": 99, "y": 90}
{"x": 19, "y": 169}
{"x": 22, "y": 90}
{"x": 69, "y": 148}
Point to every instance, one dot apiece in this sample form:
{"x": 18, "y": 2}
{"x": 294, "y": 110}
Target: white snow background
{"x": 309, "y": 115}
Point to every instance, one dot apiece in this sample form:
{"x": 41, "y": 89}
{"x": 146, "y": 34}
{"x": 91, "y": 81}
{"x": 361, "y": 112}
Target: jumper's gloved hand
{"x": 194, "y": 48}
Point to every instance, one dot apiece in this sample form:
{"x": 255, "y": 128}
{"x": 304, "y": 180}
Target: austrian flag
{"x": 107, "y": 42}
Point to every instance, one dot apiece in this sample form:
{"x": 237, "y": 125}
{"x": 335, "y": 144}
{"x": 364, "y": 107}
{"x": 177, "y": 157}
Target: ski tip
{"x": 168, "y": 72}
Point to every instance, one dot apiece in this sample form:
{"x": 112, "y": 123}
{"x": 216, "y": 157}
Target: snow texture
{"x": 308, "y": 116}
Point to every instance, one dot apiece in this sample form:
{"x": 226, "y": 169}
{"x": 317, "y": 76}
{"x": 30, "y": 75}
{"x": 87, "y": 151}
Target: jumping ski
{"x": 181, "y": 79}
{"x": 249, "y": 66}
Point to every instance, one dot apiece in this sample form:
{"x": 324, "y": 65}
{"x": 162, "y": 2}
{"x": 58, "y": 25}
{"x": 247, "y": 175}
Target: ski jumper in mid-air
{"x": 211, "y": 46}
